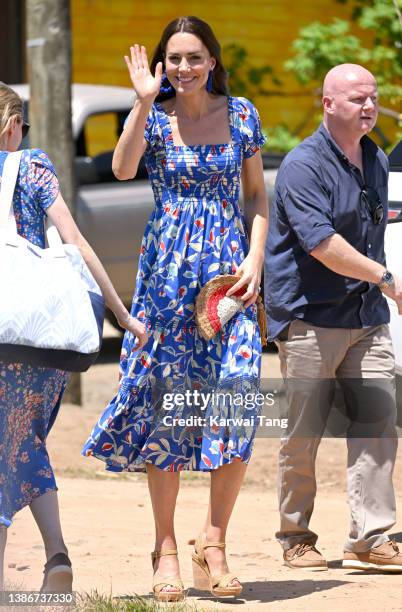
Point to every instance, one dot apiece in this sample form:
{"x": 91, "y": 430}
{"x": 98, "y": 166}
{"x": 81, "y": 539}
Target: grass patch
{"x": 95, "y": 602}
{"x": 88, "y": 474}
{"x": 14, "y": 586}
{"x": 189, "y": 477}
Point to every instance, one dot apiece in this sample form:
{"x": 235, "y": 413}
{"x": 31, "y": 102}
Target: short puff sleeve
{"x": 250, "y": 127}
{"x": 42, "y": 179}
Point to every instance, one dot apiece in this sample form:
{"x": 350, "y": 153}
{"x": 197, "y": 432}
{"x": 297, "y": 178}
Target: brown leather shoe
{"x": 305, "y": 556}
{"x": 385, "y": 558}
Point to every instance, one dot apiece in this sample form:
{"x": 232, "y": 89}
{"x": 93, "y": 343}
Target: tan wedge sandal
{"x": 219, "y": 586}
{"x": 159, "y": 584}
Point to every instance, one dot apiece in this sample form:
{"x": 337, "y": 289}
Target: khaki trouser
{"x": 310, "y": 357}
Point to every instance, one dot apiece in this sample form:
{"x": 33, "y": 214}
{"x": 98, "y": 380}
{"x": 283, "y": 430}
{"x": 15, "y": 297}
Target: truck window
{"x": 95, "y": 145}
{"x": 101, "y": 133}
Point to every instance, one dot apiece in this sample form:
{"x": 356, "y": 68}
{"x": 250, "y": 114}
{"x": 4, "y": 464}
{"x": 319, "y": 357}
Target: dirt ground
{"x": 108, "y": 526}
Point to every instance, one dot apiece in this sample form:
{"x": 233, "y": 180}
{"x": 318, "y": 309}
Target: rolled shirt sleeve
{"x": 307, "y": 205}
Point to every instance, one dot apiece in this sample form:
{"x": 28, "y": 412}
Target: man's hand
{"x": 395, "y": 292}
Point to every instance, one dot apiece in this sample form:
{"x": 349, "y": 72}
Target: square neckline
{"x": 168, "y": 137}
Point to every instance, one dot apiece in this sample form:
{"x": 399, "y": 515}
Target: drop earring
{"x": 166, "y": 87}
{"x": 209, "y": 81}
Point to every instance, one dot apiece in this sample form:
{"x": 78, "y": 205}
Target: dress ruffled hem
{"x": 152, "y": 419}
{"x": 140, "y": 426}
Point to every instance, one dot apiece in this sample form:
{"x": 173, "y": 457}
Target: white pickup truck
{"x": 393, "y": 251}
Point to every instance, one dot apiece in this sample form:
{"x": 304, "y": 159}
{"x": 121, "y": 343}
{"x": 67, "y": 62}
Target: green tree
{"x": 321, "y": 46}
{"x": 318, "y": 48}
{"x": 245, "y": 78}
{"x": 248, "y": 80}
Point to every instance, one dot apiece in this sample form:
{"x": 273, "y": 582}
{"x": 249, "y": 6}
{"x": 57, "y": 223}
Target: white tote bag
{"x": 51, "y": 308}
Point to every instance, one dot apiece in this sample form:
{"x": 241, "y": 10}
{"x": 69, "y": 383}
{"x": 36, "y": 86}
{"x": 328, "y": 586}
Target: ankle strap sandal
{"x": 160, "y": 583}
{"x": 218, "y": 585}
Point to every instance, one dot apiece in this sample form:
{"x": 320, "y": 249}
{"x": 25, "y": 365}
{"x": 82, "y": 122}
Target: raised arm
{"x": 132, "y": 144}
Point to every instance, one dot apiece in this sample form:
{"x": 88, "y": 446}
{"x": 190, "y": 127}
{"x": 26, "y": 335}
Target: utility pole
{"x": 49, "y": 67}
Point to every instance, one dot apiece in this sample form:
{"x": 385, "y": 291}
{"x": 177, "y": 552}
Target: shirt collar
{"x": 369, "y": 147}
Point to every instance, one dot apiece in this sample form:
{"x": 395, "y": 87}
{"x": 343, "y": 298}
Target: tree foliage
{"x": 246, "y": 79}
{"x": 321, "y": 46}
{"x": 318, "y": 48}
{"x": 280, "y": 139}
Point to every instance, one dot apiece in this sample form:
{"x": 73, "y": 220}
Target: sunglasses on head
{"x": 25, "y": 128}
{"x": 373, "y": 204}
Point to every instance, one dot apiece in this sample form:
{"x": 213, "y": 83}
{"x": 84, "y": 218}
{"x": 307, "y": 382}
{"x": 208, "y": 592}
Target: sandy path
{"x": 108, "y": 525}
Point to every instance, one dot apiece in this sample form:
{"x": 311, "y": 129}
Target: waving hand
{"x": 146, "y": 86}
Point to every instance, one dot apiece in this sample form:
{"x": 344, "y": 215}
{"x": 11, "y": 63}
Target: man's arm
{"x": 339, "y": 256}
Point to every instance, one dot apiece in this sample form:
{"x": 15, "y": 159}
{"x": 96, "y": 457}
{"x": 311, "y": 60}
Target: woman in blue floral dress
{"x": 199, "y": 143}
{"x": 30, "y": 396}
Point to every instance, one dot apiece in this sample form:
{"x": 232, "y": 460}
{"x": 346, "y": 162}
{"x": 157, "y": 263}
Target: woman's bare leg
{"x": 3, "y": 541}
{"x": 164, "y": 487}
{"x": 45, "y": 510}
{"x": 225, "y": 486}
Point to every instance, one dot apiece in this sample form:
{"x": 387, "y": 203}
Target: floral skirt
{"x": 181, "y": 402}
{"x": 29, "y": 402}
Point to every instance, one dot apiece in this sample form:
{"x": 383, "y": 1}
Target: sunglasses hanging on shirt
{"x": 372, "y": 201}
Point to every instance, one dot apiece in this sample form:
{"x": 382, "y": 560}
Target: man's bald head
{"x": 350, "y": 101}
{"x": 345, "y": 76}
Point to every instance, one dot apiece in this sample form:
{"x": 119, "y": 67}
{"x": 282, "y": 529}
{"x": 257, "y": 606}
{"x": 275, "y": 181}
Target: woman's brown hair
{"x": 193, "y": 25}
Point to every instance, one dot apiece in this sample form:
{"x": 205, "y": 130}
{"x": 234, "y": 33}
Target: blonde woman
{"x": 30, "y": 396}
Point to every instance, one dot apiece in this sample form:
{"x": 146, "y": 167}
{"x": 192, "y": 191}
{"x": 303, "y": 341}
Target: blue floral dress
{"x": 174, "y": 407}
{"x": 29, "y": 396}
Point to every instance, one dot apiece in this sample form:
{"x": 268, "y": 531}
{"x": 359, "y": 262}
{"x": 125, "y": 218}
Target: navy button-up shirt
{"x": 317, "y": 194}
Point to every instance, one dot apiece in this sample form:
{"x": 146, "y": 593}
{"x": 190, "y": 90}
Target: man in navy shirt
{"x": 325, "y": 280}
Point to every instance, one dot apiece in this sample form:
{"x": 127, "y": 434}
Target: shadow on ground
{"x": 264, "y": 591}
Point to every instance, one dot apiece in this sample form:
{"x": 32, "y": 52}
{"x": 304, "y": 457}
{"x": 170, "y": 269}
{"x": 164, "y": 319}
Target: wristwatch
{"x": 387, "y": 280}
